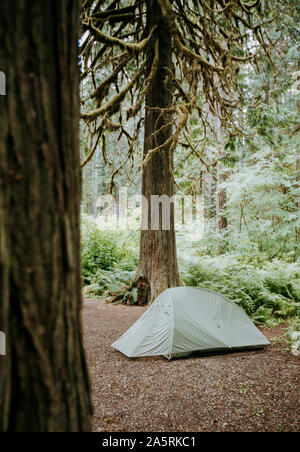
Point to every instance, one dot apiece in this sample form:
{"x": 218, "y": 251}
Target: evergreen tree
{"x": 175, "y": 58}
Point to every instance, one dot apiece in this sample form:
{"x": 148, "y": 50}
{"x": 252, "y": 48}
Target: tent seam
{"x": 172, "y": 325}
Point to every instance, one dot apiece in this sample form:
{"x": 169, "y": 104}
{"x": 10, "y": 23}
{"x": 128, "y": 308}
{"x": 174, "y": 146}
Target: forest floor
{"x": 234, "y": 392}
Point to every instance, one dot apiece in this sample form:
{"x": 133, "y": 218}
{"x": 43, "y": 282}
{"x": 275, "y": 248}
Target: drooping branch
{"x": 102, "y": 90}
{"x": 171, "y": 142}
{"x": 109, "y": 14}
{"x": 169, "y": 17}
{"x": 110, "y": 40}
{"x": 134, "y": 110}
{"x": 210, "y": 43}
{"x": 194, "y": 151}
{"x": 113, "y": 105}
{"x": 91, "y": 155}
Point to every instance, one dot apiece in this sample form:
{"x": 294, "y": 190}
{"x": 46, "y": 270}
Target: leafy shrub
{"x": 108, "y": 280}
{"x": 269, "y": 294}
{"x": 98, "y": 250}
{"x": 293, "y": 334}
{"x": 92, "y": 290}
{"x": 109, "y": 259}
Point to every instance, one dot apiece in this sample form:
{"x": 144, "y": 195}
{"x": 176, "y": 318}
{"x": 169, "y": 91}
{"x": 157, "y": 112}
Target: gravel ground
{"x": 235, "y": 392}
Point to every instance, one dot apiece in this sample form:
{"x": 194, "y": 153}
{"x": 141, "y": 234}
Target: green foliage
{"x": 109, "y": 259}
{"x": 270, "y": 294}
{"x": 261, "y": 205}
{"x": 293, "y": 334}
{"x": 104, "y": 281}
{"x": 98, "y": 250}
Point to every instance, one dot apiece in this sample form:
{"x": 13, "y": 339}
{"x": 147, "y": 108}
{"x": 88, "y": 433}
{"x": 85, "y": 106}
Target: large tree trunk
{"x": 158, "y": 268}
{"x": 43, "y": 377}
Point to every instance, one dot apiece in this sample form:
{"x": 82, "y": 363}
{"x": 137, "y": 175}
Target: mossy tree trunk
{"x": 222, "y": 221}
{"x": 43, "y": 377}
{"x": 158, "y": 267}
{"x": 296, "y": 130}
{"x": 297, "y": 251}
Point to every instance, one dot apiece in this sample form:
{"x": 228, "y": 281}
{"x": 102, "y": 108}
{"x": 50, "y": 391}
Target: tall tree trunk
{"x": 222, "y": 221}
{"x": 43, "y": 377}
{"x": 297, "y": 248}
{"x": 207, "y": 192}
{"x": 158, "y": 267}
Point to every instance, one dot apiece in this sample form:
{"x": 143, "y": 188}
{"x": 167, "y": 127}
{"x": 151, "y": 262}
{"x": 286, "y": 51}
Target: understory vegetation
{"x": 109, "y": 259}
{"x": 269, "y": 291}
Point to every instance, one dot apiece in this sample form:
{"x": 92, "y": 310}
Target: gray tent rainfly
{"x": 187, "y": 319}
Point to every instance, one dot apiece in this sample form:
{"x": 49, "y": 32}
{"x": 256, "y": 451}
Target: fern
{"x": 269, "y": 294}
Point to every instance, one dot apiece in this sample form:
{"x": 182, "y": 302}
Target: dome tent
{"x": 186, "y": 319}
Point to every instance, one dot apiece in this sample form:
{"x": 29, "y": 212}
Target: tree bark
{"x": 297, "y": 248}
{"x": 158, "y": 267}
{"x": 43, "y": 378}
{"x": 222, "y": 222}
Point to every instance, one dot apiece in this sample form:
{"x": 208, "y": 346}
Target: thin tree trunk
{"x": 297, "y": 248}
{"x": 222, "y": 221}
{"x": 209, "y": 188}
{"x": 43, "y": 377}
{"x": 158, "y": 267}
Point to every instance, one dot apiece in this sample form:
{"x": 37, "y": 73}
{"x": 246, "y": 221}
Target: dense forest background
{"x": 248, "y": 176}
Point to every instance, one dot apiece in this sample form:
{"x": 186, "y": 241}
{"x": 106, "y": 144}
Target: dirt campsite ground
{"x": 236, "y": 392}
